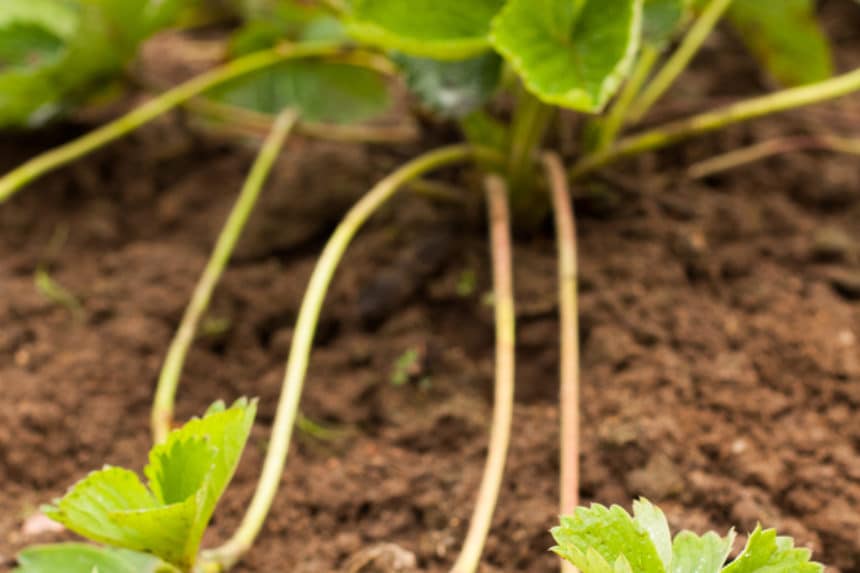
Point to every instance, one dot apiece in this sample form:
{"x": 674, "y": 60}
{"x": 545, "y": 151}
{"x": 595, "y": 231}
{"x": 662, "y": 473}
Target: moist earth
{"x": 719, "y": 328}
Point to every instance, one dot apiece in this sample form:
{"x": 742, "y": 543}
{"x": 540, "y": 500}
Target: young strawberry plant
{"x": 155, "y": 527}
{"x": 328, "y": 63}
{"x": 609, "y": 540}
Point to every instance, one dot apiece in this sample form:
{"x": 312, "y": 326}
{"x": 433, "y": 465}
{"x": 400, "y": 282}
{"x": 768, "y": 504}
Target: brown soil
{"x": 720, "y": 328}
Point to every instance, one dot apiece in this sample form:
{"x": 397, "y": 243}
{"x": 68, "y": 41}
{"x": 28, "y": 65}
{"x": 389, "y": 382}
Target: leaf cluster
{"x": 157, "y": 526}
{"x": 55, "y": 53}
{"x": 570, "y": 53}
{"x": 609, "y": 540}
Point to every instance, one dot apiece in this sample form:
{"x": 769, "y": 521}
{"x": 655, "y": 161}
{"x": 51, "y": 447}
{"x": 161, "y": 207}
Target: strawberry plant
{"x": 154, "y": 527}
{"x": 609, "y": 540}
{"x": 323, "y": 68}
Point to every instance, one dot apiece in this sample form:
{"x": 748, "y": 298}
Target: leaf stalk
{"x": 224, "y": 557}
{"x": 565, "y": 224}
{"x": 680, "y": 59}
{"x": 503, "y": 407}
{"x": 168, "y": 381}
{"x": 673, "y": 132}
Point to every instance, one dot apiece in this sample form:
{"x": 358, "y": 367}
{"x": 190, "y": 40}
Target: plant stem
{"x": 227, "y": 555}
{"x": 680, "y": 59}
{"x": 565, "y": 225}
{"x": 503, "y": 295}
{"x": 68, "y": 152}
{"x": 168, "y": 381}
{"x": 614, "y": 122}
{"x": 531, "y": 120}
{"x": 673, "y": 132}
{"x": 740, "y": 157}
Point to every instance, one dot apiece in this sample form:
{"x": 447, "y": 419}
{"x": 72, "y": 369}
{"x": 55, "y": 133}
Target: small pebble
{"x": 846, "y": 283}
{"x": 40, "y": 524}
{"x": 832, "y": 244}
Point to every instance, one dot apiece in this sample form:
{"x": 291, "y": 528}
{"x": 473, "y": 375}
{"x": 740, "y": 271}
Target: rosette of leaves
{"x": 609, "y": 540}
{"x": 152, "y": 527}
{"x": 55, "y": 53}
{"x": 572, "y": 53}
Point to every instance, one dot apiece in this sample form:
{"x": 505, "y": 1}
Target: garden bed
{"x": 720, "y": 329}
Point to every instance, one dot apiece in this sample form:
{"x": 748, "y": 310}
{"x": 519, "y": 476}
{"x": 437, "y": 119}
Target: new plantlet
{"x": 154, "y": 527}
{"x": 609, "y": 540}
{"x": 589, "y": 56}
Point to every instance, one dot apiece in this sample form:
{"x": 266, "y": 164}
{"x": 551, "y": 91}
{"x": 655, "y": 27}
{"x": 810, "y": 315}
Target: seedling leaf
{"x": 601, "y": 540}
{"x": 767, "y": 553}
{"x": 593, "y": 538}
{"x": 572, "y": 54}
{"x": 187, "y": 475}
{"x": 83, "y": 558}
{"x": 320, "y": 91}
{"x": 452, "y": 88}
{"x": 785, "y": 36}
{"x": 441, "y": 29}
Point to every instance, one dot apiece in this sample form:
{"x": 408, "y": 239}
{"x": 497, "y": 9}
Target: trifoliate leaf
{"x": 320, "y": 91}
{"x": 767, "y": 553}
{"x": 187, "y": 475}
{"x": 593, "y": 538}
{"x": 705, "y": 554}
{"x": 452, "y": 88}
{"x": 83, "y": 558}
{"x": 441, "y": 29}
{"x": 572, "y": 54}
{"x": 662, "y": 19}
{"x": 652, "y": 520}
{"x": 786, "y": 37}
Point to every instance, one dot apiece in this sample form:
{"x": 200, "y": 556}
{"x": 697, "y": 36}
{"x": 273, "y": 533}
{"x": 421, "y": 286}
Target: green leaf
{"x": 662, "y": 20}
{"x": 441, "y": 29}
{"x": 601, "y": 540}
{"x": 187, "y": 475}
{"x": 269, "y": 22}
{"x": 452, "y": 88}
{"x": 593, "y": 538}
{"x": 705, "y": 554}
{"x": 226, "y": 433}
{"x": 321, "y": 91}
{"x": 26, "y": 44}
{"x": 482, "y": 129}
{"x": 83, "y": 558}
{"x": 573, "y": 54}
{"x": 33, "y": 37}
{"x": 786, "y": 37}
{"x": 652, "y": 520}
{"x": 69, "y": 49}
{"x": 112, "y": 506}
{"x": 767, "y": 553}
